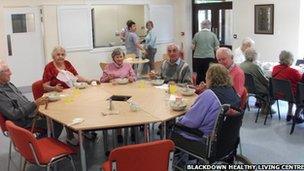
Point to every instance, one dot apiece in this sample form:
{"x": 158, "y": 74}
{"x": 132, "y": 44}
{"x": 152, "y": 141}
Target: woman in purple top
{"x": 203, "y": 113}
{"x": 118, "y": 69}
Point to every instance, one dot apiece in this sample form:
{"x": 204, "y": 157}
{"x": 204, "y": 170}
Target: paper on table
{"x": 172, "y": 97}
{"x": 76, "y": 121}
{"x": 164, "y": 87}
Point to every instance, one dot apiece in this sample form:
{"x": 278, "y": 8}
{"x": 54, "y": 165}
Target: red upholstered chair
{"x": 152, "y": 156}
{"x": 37, "y": 89}
{"x": 5, "y": 133}
{"x": 43, "y": 152}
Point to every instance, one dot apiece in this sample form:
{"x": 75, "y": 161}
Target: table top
{"x": 136, "y": 60}
{"x": 92, "y": 106}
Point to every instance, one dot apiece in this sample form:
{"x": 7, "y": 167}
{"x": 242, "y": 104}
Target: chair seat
{"x": 52, "y": 148}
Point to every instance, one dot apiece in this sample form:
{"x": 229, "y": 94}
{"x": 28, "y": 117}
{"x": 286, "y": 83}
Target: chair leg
{"x": 72, "y": 163}
{"x": 247, "y": 104}
{"x": 9, "y": 156}
{"x": 24, "y": 165}
{"x": 257, "y": 116}
{"x": 297, "y": 114}
{"x": 278, "y": 108}
{"x": 48, "y": 167}
{"x": 266, "y": 118}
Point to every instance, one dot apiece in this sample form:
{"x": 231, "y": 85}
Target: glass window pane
{"x": 206, "y": 1}
{"x": 22, "y": 23}
{"x": 203, "y": 15}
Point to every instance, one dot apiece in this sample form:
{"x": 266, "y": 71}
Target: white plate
{"x": 178, "y": 106}
{"x": 187, "y": 91}
{"x": 81, "y": 85}
{"x": 158, "y": 82}
{"x": 122, "y": 81}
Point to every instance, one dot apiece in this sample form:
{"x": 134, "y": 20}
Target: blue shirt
{"x": 130, "y": 43}
{"x": 150, "y": 39}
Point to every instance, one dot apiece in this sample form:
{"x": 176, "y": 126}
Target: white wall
{"x": 286, "y": 27}
{"x": 87, "y": 62}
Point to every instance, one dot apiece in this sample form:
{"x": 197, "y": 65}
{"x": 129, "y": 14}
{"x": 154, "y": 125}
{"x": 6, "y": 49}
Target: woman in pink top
{"x": 118, "y": 69}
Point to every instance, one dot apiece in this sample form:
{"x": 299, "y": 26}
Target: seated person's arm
{"x": 13, "y": 111}
{"x": 47, "y": 87}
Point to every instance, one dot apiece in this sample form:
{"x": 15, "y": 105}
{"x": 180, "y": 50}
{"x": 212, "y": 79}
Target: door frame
{"x": 214, "y": 7}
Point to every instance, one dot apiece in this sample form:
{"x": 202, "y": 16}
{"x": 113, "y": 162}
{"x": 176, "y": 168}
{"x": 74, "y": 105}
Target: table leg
{"x": 147, "y": 133}
{"x": 165, "y": 130}
{"x": 114, "y": 138}
{"x": 105, "y": 140}
{"x": 82, "y": 152}
{"x": 48, "y": 124}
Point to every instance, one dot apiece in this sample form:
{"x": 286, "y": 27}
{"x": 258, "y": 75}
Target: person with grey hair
{"x": 118, "y": 69}
{"x": 16, "y": 107}
{"x": 239, "y": 53}
{"x": 174, "y": 69}
{"x": 225, "y": 57}
{"x": 283, "y": 71}
{"x": 204, "y": 44}
{"x": 249, "y": 66}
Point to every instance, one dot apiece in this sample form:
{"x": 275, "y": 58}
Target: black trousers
{"x": 200, "y": 66}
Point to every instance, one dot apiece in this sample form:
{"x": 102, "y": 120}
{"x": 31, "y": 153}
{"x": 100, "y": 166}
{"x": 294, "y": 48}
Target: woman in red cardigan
{"x": 283, "y": 71}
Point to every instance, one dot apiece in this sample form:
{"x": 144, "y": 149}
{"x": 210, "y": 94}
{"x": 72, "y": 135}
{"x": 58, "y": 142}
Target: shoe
{"x": 288, "y": 118}
{"x": 90, "y": 135}
{"x": 298, "y": 120}
{"x": 119, "y": 139}
{"x": 72, "y": 141}
{"x": 258, "y": 104}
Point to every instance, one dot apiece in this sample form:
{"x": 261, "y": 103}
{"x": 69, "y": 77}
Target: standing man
{"x": 204, "y": 44}
{"x": 225, "y": 57}
{"x": 150, "y": 47}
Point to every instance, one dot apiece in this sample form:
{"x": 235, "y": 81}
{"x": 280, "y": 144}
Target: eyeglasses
{"x": 60, "y": 54}
{"x": 172, "y": 50}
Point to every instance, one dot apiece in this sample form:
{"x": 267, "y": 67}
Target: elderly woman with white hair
{"x": 204, "y": 44}
{"x": 239, "y": 53}
{"x": 250, "y": 66}
{"x": 283, "y": 71}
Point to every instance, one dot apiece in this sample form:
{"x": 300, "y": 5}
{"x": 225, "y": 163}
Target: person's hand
{"x": 111, "y": 76}
{"x": 152, "y": 75}
{"x": 58, "y": 88}
{"x": 41, "y": 101}
{"x": 131, "y": 79}
{"x": 200, "y": 88}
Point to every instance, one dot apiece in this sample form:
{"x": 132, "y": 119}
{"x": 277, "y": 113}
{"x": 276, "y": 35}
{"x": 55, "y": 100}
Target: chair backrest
{"x": 281, "y": 90}
{"x": 299, "y": 61}
{"x": 22, "y": 139}
{"x": 227, "y": 134}
{"x": 102, "y": 65}
{"x": 37, "y": 89}
{"x": 2, "y": 124}
{"x": 147, "y": 156}
{"x": 249, "y": 83}
{"x": 300, "y": 94}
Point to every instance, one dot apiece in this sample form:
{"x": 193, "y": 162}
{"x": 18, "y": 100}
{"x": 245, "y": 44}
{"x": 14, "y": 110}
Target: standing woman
{"x": 150, "y": 47}
{"x": 204, "y": 44}
{"x": 131, "y": 40}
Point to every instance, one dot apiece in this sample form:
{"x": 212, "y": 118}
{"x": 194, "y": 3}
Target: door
{"x": 25, "y": 53}
{"x": 220, "y": 15}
